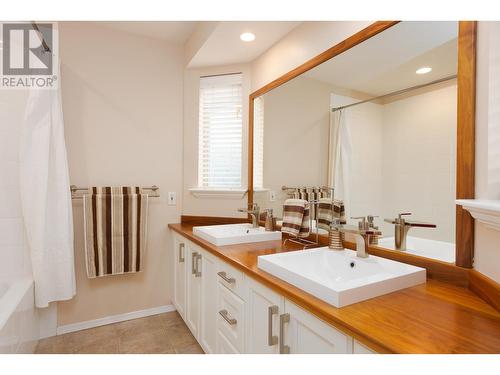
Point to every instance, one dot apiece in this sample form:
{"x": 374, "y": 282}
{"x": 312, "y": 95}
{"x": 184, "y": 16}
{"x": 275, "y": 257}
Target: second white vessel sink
{"x": 339, "y": 277}
{"x": 231, "y": 234}
{"x": 443, "y": 251}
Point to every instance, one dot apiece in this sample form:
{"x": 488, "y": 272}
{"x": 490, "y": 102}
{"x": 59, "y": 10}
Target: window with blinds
{"x": 220, "y": 131}
{"x": 258, "y": 143}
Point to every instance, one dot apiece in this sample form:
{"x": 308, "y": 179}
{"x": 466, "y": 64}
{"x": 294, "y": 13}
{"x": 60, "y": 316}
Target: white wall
{"x": 15, "y": 260}
{"x": 193, "y": 205}
{"x": 487, "y": 250}
{"x": 419, "y": 164}
{"x": 122, "y": 103}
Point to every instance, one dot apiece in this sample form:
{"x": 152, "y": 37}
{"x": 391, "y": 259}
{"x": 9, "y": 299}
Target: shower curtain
{"x": 339, "y": 157}
{"x": 46, "y": 198}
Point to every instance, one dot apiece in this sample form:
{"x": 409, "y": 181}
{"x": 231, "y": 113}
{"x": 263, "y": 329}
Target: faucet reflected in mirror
{"x": 401, "y": 228}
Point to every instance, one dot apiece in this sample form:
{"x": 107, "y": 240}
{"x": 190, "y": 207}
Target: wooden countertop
{"x": 435, "y": 317}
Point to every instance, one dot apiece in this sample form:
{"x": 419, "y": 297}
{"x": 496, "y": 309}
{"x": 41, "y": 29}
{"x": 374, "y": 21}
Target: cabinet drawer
{"x": 230, "y": 317}
{"x": 231, "y": 278}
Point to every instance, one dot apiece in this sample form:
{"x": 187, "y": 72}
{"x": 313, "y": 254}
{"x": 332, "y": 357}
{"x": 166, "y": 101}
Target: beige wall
{"x": 210, "y": 206}
{"x": 295, "y": 138}
{"x": 301, "y": 44}
{"x": 487, "y": 250}
{"x": 122, "y": 102}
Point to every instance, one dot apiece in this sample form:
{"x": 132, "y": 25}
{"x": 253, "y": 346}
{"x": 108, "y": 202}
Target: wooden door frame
{"x": 466, "y": 99}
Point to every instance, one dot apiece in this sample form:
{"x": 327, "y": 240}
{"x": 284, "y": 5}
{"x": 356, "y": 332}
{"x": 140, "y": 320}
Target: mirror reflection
{"x": 377, "y": 124}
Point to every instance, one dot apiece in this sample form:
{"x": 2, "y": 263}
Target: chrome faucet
{"x": 254, "y": 212}
{"x": 362, "y": 233}
{"x": 401, "y": 228}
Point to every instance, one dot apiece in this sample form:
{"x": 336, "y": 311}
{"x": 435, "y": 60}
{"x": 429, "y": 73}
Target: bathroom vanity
{"x": 232, "y": 306}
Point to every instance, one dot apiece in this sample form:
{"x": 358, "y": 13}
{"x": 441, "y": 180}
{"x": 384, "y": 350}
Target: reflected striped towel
{"x": 115, "y": 223}
{"x": 296, "y": 218}
{"x": 327, "y": 211}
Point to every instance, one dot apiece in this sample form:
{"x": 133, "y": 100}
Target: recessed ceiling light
{"x": 423, "y": 70}
{"x": 247, "y": 37}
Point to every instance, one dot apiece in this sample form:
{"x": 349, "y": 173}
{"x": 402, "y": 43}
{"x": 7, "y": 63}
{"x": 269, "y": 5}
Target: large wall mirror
{"x": 377, "y": 123}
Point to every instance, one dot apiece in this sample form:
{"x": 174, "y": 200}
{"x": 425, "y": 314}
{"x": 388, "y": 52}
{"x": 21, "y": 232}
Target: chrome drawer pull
{"x": 197, "y": 260}
{"x": 224, "y": 277}
{"x": 271, "y": 340}
{"x": 284, "y": 318}
{"x": 181, "y": 253}
{"x": 225, "y": 315}
{"x": 193, "y": 263}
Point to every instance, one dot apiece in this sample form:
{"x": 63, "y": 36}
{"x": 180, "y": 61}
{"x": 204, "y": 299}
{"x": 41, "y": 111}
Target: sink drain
{"x": 352, "y": 264}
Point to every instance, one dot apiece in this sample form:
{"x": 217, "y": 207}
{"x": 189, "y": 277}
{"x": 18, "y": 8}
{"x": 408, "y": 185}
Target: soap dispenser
{"x": 335, "y": 236}
{"x": 270, "y": 220}
{"x": 371, "y": 224}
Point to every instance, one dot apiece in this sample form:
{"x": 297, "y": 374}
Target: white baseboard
{"x": 113, "y": 319}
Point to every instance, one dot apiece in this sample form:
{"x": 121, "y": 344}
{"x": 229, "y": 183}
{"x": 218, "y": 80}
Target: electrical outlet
{"x": 272, "y": 196}
{"x": 172, "y": 199}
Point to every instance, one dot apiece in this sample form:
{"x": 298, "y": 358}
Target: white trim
{"x": 484, "y": 211}
{"x": 214, "y": 193}
{"x": 113, "y": 319}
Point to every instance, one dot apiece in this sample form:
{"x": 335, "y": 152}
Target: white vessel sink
{"x": 231, "y": 234}
{"x": 443, "y": 251}
{"x": 339, "y": 277}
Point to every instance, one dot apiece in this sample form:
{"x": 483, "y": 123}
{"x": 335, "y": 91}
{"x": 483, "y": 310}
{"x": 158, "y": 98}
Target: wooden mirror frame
{"x": 466, "y": 103}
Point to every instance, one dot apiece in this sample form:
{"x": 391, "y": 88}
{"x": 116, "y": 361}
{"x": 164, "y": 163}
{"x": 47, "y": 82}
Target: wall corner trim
{"x": 61, "y": 330}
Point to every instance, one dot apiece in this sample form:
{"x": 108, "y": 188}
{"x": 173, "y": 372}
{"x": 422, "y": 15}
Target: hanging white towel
{"x": 46, "y": 198}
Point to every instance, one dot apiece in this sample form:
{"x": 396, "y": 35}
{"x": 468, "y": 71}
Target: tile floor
{"x": 164, "y": 333}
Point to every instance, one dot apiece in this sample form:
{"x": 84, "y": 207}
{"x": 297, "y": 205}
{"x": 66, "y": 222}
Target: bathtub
{"x": 19, "y": 327}
{"x": 443, "y": 251}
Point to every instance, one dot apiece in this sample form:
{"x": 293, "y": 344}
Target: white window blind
{"x": 220, "y": 131}
{"x": 258, "y": 143}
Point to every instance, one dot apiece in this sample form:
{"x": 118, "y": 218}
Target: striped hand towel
{"x": 296, "y": 218}
{"x": 115, "y": 223}
{"x": 327, "y": 211}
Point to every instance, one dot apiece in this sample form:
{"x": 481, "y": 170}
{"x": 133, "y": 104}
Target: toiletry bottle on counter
{"x": 270, "y": 220}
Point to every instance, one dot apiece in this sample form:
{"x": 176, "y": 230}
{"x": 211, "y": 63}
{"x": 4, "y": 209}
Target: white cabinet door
{"x": 306, "y": 334}
{"x": 193, "y": 304}
{"x": 358, "y": 348}
{"x": 179, "y": 270}
{"x": 208, "y": 328}
{"x": 224, "y": 346}
{"x": 263, "y": 308}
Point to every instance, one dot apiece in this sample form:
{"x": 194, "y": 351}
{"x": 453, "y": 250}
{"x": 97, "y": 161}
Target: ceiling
{"x": 171, "y": 31}
{"x": 210, "y": 43}
{"x": 223, "y": 46}
{"x": 388, "y": 61}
